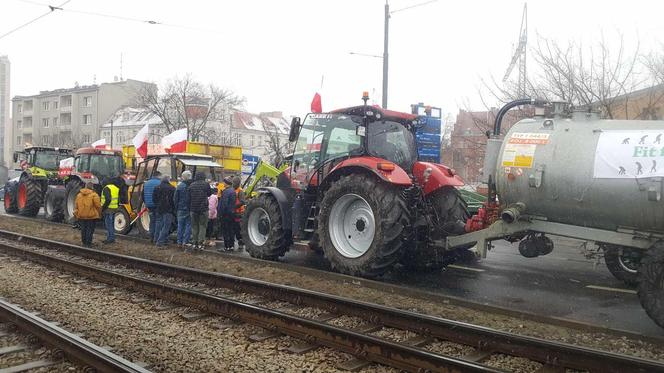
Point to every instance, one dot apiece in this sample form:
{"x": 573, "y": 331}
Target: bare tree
{"x": 277, "y": 147}
{"x": 187, "y": 103}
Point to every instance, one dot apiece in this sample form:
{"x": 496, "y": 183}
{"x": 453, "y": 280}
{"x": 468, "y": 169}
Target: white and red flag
{"x": 140, "y": 141}
{"x": 99, "y": 144}
{"x": 176, "y": 141}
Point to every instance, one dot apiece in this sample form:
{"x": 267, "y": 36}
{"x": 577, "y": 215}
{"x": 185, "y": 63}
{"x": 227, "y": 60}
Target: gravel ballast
{"x": 348, "y": 289}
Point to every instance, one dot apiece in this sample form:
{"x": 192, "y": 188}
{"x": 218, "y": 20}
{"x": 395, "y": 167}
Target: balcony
{"x": 65, "y": 109}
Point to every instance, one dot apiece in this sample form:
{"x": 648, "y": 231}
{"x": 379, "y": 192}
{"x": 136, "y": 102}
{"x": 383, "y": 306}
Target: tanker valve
{"x": 512, "y": 213}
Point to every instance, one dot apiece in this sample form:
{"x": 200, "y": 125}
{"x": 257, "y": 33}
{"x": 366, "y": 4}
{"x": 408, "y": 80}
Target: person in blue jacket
{"x": 181, "y": 199}
{"x": 148, "y": 190}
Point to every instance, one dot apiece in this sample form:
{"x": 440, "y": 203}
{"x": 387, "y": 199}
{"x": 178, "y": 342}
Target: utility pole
{"x": 385, "y": 54}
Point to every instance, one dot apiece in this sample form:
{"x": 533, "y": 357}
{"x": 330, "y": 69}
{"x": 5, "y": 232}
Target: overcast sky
{"x": 275, "y": 52}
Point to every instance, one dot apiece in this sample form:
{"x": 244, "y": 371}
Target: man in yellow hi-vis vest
{"x": 110, "y": 197}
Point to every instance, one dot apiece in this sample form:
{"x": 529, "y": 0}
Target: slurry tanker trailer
{"x": 570, "y": 173}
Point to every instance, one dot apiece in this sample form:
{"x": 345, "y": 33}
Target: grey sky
{"x": 275, "y": 52}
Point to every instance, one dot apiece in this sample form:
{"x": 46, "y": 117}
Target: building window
{"x": 87, "y": 119}
{"x": 45, "y": 123}
{"x": 28, "y": 105}
{"x": 20, "y": 108}
{"x": 86, "y": 138}
{"x": 45, "y": 140}
{"x": 46, "y": 106}
{"x": 18, "y": 140}
{"x": 27, "y": 138}
{"x": 27, "y": 122}
{"x": 19, "y": 123}
{"x": 55, "y": 122}
{"x": 251, "y": 140}
{"x": 87, "y": 101}
{"x": 65, "y": 101}
{"x": 55, "y": 105}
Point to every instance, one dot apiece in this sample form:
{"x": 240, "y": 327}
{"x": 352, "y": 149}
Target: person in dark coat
{"x": 227, "y": 214}
{"x": 183, "y": 216}
{"x": 165, "y": 206}
{"x": 148, "y": 190}
{"x": 199, "y": 191}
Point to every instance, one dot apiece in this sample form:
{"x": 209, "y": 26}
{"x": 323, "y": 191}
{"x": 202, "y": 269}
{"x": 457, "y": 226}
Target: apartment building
{"x": 70, "y": 117}
{"x": 5, "y": 125}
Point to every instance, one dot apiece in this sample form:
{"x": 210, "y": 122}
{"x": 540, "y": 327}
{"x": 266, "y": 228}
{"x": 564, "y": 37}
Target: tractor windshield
{"x": 103, "y": 166}
{"x": 394, "y": 142}
{"x": 326, "y": 136}
{"x": 48, "y": 160}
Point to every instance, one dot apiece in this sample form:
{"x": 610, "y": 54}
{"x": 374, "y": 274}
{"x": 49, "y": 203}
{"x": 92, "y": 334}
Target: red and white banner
{"x": 66, "y": 167}
{"x": 99, "y": 144}
{"x": 175, "y": 142}
{"x": 317, "y": 104}
{"x": 140, "y": 141}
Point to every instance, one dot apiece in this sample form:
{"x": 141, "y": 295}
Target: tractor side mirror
{"x": 295, "y": 127}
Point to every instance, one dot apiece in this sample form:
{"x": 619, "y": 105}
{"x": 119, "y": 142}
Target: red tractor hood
{"x": 438, "y": 176}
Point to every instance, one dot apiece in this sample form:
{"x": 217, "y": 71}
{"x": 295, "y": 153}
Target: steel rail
{"x": 366, "y": 346}
{"x": 485, "y": 339}
{"x": 78, "y": 349}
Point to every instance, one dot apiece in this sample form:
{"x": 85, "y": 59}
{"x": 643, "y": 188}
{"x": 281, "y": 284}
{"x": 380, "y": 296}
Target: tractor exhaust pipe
{"x": 513, "y": 213}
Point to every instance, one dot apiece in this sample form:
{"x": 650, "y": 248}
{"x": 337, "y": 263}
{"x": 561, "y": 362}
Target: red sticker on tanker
{"x": 529, "y": 138}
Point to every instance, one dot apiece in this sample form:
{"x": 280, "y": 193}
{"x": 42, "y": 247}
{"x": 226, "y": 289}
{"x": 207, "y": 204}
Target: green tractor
{"x": 39, "y": 168}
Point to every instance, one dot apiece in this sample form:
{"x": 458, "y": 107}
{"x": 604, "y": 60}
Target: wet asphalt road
{"x": 562, "y": 284}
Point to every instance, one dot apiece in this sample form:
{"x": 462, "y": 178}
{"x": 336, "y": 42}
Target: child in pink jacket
{"x": 212, "y": 216}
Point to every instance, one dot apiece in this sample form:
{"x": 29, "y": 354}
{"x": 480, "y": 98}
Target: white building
{"x": 5, "y": 124}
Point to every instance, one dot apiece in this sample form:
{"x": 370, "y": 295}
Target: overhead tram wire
{"x": 51, "y": 10}
{"x": 121, "y": 17}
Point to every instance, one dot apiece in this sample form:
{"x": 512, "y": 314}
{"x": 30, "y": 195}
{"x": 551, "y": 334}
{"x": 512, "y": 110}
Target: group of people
{"x": 89, "y": 208}
{"x": 200, "y": 211}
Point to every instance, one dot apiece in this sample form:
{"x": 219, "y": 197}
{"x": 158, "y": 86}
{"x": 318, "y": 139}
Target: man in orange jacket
{"x": 87, "y": 210}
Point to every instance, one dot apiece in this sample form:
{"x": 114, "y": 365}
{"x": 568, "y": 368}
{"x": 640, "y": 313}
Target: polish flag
{"x": 175, "y": 142}
{"x": 140, "y": 141}
{"x": 316, "y": 104}
{"x": 99, "y": 144}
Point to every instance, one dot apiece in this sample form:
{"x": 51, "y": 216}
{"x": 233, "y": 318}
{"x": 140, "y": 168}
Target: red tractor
{"x": 357, "y": 192}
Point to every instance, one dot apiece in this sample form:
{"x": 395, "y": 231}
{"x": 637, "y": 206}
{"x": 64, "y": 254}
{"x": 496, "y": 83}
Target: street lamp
{"x": 386, "y": 32}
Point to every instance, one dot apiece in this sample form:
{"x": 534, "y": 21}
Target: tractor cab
{"x": 40, "y": 157}
{"x": 97, "y": 164}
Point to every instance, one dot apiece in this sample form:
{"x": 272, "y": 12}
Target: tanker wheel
{"x": 71, "y": 191}
{"x": 29, "y": 196}
{"x": 11, "y": 207}
{"x": 651, "y": 283}
{"x": 53, "y": 210}
{"x": 361, "y": 225}
{"x": 121, "y": 221}
{"x": 623, "y": 263}
{"x": 263, "y": 232}
{"x": 452, "y": 213}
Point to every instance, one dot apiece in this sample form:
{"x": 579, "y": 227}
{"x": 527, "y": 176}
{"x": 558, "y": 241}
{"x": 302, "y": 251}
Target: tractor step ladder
{"x": 310, "y": 225}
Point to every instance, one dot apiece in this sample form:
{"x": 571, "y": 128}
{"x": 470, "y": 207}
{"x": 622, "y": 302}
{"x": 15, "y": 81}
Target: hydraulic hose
{"x": 508, "y": 107}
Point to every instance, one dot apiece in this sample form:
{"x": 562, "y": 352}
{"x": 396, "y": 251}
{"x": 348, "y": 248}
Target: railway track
{"x": 409, "y": 354}
{"x": 90, "y": 357}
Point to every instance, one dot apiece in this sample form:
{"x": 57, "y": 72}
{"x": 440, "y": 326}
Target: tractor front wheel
{"x": 651, "y": 283}
{"x": 11, "y": 206}
{"x": 71, "y": 191}
{"x": 263, "y": 232}
{"x": 121, "y": 221}
{"x": 362, "y": 224}
{"x": 53, "y": 209}
{"x": 29, "y": 196}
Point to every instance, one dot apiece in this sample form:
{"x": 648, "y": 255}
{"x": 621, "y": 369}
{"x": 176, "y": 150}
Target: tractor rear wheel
{"x": 30, "y": 196}
{"x": 11, "y": 206}
{"x": 53, "y": 209}
{"x": 143, "y": 221}
{"x": 71, "y": 191}
{"x": 452, "y": 215}
{"x": 263, "y": 232}
{"x": 623, "y": 263}
{"x": 362, "y": 225}
{"x": 651, "y": 283}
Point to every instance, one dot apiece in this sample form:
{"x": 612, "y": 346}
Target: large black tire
{"x": 452, "y": 213}
{"x": 69, "y": 203}
{"x": 143, "y": 222}
{"x": 390, "y": 219}
{"x": 121, "y": 221}
{"x": 623, "y": 263}
{"x": 651, "y": 283}
{"x": 53, "y": 209}
{"x": 263, "y": 232}
{"x": 11, "y": 206}
{"x": 30, "y": 196}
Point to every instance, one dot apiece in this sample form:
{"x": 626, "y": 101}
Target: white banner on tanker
{"x": 629, "y": 154}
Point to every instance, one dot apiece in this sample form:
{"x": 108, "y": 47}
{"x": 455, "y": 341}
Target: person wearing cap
{"x": 199, "y": 191}
{"x": 163, "y": 200}
{"x": 226, "y": 213}
{"x": 181, "y": 201}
